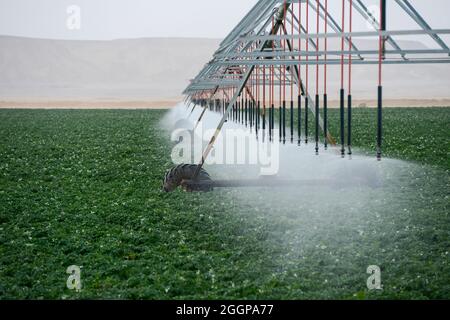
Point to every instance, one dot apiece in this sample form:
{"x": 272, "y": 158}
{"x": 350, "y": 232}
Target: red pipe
{"x": 284, "y": 49}
{"x": 326, "y": 49}
{"x": 350, "y": 49}
{"x": 342, "y": 44}
{"x": 307, "y": 47}
{"x": 292, "y": 47}
{"x": 272, "y": 69}
{"x": 299, "y": 45}
{"x": 317, "y": 47}
{"x": 380, "y": 47}
{"x": 264, "y": 87}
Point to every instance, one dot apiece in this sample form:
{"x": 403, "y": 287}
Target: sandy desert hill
{"x": 120, "y": 69}
{"x": 158, "y": 69}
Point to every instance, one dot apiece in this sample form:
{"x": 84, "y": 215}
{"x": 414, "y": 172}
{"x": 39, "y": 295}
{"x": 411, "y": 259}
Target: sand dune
{"x": 140, "y": 69}
{"x": 153, "y": 72}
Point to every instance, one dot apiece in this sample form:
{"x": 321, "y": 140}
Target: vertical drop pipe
{"x": 252, "y": 108}
{"x": 299, "y": 118}
{"x": 316, "y": 124}
{"x": 258, "y": 105}
{"x": 238, "y": 110}
{"x": 284, "y": 75}
{"x": 349, "y": 97}
{"x": 284, "y": 104}
{"x": 280, "y": 104}
{"x": 325, "y": 97}
{"x": 292, "y": 120}
{"x": 246, "y": 107}
{"x": 272, "y": 106}
{"x": 380, "y": 88}
{"x": 264, "y": 100}
{"x": 342, "y": 126}
{"x": 233, "y": 114}
{"x": 307, "y": 73}
{"x": 272, "y": 92}
{"x": 270, "y": 100}
{"x": 252, "y": 101}
{"x": 252, "y": 113}
{"x": 227, "y": 102}
{"x": 255, "y": 99}
{"x": 258, "y": 116}
{"x": 342, "y": 93}
{"x": 273, "y": 119}
{"x": 242, "y": 109}
{"x": 236, "y": 104}
{"x": 284, "y": 119}
{"x": 299, "y": 97}
{"x": 317, "y": 79}
{"x": 257, "y": 102}
{"x": 292, "y": 70}
{"x": 255, "y": 106}
{"x": 232, "y": 111}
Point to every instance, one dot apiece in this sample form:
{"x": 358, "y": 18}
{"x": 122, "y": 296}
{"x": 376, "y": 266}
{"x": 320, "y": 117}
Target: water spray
{"x": 273, "y": 55}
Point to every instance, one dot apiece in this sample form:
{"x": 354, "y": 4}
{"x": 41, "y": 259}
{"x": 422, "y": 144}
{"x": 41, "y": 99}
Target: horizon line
{"x": 105, "y": 40}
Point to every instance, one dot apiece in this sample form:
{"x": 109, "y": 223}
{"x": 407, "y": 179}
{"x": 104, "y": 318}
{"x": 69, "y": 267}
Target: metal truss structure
{"x": 279, "y": 52}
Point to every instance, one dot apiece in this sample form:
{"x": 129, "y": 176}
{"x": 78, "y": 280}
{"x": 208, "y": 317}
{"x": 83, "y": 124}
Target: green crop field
{"x": 84, "y": 188}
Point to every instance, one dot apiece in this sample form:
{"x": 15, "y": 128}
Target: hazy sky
{"x": 112, "y": 19}
{"x": 109, "y": 19}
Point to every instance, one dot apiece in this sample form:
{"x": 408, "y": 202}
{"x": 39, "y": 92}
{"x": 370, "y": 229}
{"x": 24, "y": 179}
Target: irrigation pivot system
{"x": 279, "y": 57}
